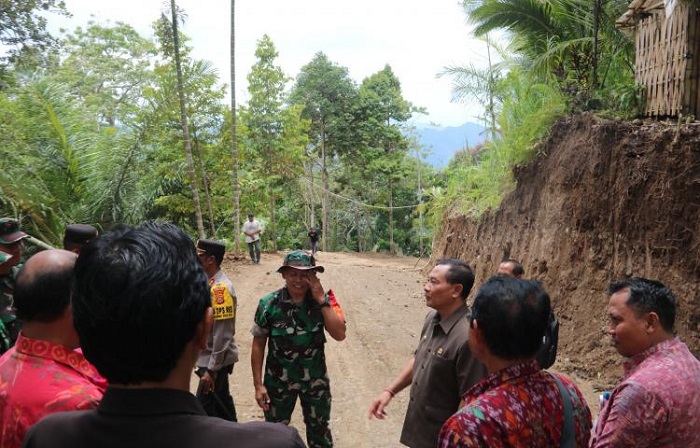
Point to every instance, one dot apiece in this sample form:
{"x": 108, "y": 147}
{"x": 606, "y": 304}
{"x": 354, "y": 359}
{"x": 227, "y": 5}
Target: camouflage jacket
{"x": 295, "y": 334}
{"x": 8, "y": 325}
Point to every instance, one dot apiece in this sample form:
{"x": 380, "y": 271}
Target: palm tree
{"x": 183, "y": 120}
{"x": 559, "y": 40}
{"x": 480, "y": 84}
{"x": 234, "y": 137}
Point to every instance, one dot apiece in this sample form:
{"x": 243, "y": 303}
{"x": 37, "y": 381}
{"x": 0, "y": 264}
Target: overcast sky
{"x": 417, "y": 38}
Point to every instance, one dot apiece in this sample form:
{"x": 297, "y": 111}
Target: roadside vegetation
{"x": 548, "y": 59}
{"x": 102, "y": 125}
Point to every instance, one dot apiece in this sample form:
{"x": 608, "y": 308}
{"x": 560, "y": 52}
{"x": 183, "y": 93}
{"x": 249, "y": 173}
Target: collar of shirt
{"x": 60, "y": 354}
{"x": 632, "y": 363}
{"x": 450, "y": 321}
{"x": 502, "y": 376}
{"x": 149, "y": 402}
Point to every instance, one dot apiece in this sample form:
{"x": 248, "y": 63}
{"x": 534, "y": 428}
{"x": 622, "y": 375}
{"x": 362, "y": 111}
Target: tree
{"x": 58, "y": 167}
{"x": 274, "y": 133}
{"x": 481, "y": 84}
{"x": 327, "y": 95}
{"x": 167, "y": 173}
{"x": 23, "y": 30}
{"x": 561, "y": 40}
{"x": 234, "y": 135}
{"x": 383, "y": 110}
{"x": 107, "y": 68}
{"x": 183, "y": 119}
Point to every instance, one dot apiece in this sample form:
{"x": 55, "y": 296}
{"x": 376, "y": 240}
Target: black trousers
{"x": 220, "y": 402}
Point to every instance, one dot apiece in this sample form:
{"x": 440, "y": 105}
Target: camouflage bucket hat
{"x": 300, "y": 259}
{"x": 9, "y": 231}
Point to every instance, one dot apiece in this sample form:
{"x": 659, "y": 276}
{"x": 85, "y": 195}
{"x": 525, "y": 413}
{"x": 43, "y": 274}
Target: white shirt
{"x": 250, "y": 227}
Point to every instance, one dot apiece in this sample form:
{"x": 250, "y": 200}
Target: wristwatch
{"x": 325, "y": 302}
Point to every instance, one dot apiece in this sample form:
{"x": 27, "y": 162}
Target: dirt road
{"x": 382, "y": 298}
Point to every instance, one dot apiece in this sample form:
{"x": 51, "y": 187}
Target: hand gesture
{"x": 379, "y": 404}
{"x": 206, "y": 382}
{"x": 316, "y": 288}
{"x": 262, "y": 398}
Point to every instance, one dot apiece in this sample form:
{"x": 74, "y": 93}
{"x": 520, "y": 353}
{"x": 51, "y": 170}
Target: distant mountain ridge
{"x": 442, "y": 142}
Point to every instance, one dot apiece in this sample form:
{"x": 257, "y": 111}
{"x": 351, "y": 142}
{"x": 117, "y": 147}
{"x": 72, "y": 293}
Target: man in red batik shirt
{"x": 517, "y": 404}
{"x": 43, "y": 373}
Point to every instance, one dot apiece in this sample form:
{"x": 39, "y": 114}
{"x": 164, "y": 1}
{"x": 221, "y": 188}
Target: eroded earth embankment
{"x": 601, "y": 200}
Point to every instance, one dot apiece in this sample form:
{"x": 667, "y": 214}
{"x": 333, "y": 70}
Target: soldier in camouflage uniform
{"x": 11, "y": 245}
{"x": 5, "y": 342}
{"x": 293, "y": 320}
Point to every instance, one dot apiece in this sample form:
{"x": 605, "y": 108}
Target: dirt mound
{"x": 602, "y": 200}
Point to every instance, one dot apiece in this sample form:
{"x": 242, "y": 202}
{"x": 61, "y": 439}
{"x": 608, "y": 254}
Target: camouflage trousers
{"x": 315, "y": 398}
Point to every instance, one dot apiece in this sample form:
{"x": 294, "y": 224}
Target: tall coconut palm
{"x": 183, "y": 120}
{"x": 234, "y": 138}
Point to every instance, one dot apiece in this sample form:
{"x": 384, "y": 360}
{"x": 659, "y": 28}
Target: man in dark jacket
{"x": 142, "y": 309}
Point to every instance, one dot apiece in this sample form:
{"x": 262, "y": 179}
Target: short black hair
{"x": 458, "y": 272}
{"x": 138, "y": 296}
{"x": 649, "y": 296}
{"x": 43, "y": 296}
{"x": 512, "y": 315}
{"x": 517, "y": 266}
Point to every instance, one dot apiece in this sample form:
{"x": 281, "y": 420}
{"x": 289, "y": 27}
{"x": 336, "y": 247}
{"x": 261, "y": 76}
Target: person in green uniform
{"x": 291, "y": 323}
{"x": 12, "y": 245}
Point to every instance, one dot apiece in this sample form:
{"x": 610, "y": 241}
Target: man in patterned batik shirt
{"x": 517, "y": 404}
{"x": 657, "y": 404}
{"x": 216, "y": 361}
{"x": 43, "y": 373}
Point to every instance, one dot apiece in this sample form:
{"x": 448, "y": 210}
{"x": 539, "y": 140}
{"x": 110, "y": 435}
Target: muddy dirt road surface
{"x": 382, "y": 297}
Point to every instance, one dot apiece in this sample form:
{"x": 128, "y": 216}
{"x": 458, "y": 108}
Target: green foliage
{"x": 327, "y": 95}
{"x": 571, "y": 44}
{"x": 23, "y": 34}
{"x": 107, "y": 67}
{"x": 274, "y": 135}
{"x": 96, "y": 137}
{"x": 478, "y": 180}
{"x": 563, "y": 55}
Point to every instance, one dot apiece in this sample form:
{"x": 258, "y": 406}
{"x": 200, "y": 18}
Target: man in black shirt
{"x": 142, "y": 309}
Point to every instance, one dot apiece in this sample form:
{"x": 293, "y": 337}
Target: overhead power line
{"x": 360, "y": 203}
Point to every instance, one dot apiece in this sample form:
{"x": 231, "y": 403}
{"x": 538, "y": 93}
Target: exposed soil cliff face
{"x": 602, "y": 200}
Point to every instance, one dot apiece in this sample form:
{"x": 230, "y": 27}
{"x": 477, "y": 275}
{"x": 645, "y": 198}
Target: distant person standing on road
{"x": 291, "y": 323}
{"x": 216, "y": 361}
{"x": 252, "y": 230}
{"x": 657, "y": 404}
{"x": 313, "y": 239}
{"x": 443, "y": 367}
{"x": 511, "y": 268}
{"x": 518, "y": 404}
